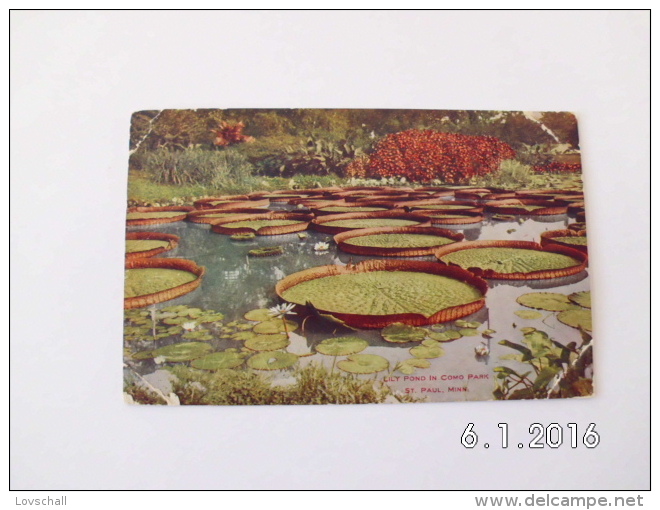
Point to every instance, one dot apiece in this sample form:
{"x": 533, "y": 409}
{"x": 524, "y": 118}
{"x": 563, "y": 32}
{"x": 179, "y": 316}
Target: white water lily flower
{"x": 321, "y": 246}
{"x": 280, "y": 311}
{"x": 189, "y": 326}
{"x": 159, "y": 360}
{"x": 482, "y": 349}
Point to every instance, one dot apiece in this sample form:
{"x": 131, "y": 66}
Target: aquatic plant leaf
{"x": 399, "y": 240}
{"x": 173, "y": 309}
{"x": 526, "y": 353}
{"x": 143, "y": 281}
{"x": 402, "y": 333}
{"x": 219, "y": 360}
{"x": 274, "y": 326}
{"x": 445, "y": 336}
{"x": 581, "y": 298}
{"x": 259, "y": 315}
{"x": 503, "y": 217}
{"x": 410, "y": 366}
{"x": 383, "y": 293}
{"x": 509, "y": 260}
{"x": 576, "y": 240}
{"x": 267, "y": 251}
{"x": 143, "y": 355}
{"x": 429, "y": 342}
{"x": 549, "y": 301}
{"x": 201, "y": 334}
{"x": 275, "y": 360}
{"x": 342, "y": 346}
{"x": 211, "y": 317}
{"x": 371, "y": 223}
{"x": 246, "y": 236}
{"x": 528, "y": 314}
{"x": 267, "y": 342}
{"x": 466, "y": 324}
{"x": 426, "y": 352}
{"x": 468, "y": 332}
{"x": 579, "y": 318}
{"x": 363, "y": 364}
{"x": 544, "y": 377}
{"x": 243, "y": 336}
{"x": 153, "y": 215}
{"x": 183, "y": 352}
{"x": 176, "y": 321}
{"x": 257, "y": 224}
{"x": 488, "y": 332}
{"x": 539, "y": 343}
{"x": 527, "y": 330}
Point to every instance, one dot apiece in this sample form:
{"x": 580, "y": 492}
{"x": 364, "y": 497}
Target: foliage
{"x": 314, "y": 156}
{"x": 512, "y": 174}
{"x": 230, "y": 134}
{"x": 218, "y": 169}
{"x": 427, "y": 155}
{"x": 556, "y": 370}
{"x": 313, "y": 385}
{"x": 557, "y": 167}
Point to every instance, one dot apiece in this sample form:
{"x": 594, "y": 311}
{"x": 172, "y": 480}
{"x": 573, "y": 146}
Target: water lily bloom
{"x": 189, "y": 326}
{"x": 321, "y": 246}
{"x": 482, "y": 349}
{"x": 280, "y": 311}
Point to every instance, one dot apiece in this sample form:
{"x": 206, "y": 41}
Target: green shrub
{"x": 512, "y": 174}
{"x": 194, "y": 166}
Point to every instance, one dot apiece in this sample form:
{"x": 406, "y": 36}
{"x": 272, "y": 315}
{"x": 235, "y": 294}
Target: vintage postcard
{"x": 308, "y": 256}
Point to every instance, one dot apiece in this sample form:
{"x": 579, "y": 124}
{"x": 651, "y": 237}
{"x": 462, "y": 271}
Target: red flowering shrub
{"x": 230, "y": 134}
{"x": 427, "y": 155}
{"x": 558, "y": 168}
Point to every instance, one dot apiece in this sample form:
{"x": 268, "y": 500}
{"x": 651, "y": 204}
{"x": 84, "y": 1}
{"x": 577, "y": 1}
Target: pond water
{"x": 235, "y": 284}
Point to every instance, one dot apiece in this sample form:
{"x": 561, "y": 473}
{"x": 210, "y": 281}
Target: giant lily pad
{"x": 257, "y": 224}
{"x": 370, "y": 223}
{"x": 275, "y": 360}
{"x": 219, "y": 360}
{"x": 581, "y": 298}
{"x": 578, "y": 318}
{"x": 266, "y": 251}
{"x": 505, "y": 260}
{"x": 402, "y": 333}
{"x": 549, "y": 301}
{"x": 352, "y": 209}
{"x": 150, "y": 280}
{"x": 267, "y": 342}
{"x": 153, "y": 215}
{"x": 274, "y": 326}
{"x": 140, "y": 245}
{"x": 402, "y": 240}
{"x": 183, "y": 352}
{"x": 363, "y": 364}
{"x": 383, "y": 293}
{"x": 342, "y": 346}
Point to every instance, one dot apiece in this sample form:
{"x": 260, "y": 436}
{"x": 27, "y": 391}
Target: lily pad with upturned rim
{"x": 342, "y": 346}
{"x": 549, "y": 301}
{"x": 363, "y": 364}
{"x": 273, "y": 360}
{"x": 402, "y": 333}
{"x": 509, "y": 260}
{"x": 143, "y": 281}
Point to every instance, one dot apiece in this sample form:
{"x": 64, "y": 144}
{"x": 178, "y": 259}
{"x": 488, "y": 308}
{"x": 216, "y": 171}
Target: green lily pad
{"x": 504, "y": 217}
{"x": 576, "y": 318}
{"x": 342, "y": 346}
{"x": 243, "y": 237}
{"x": 528, "y": 314}
{"x": 427, "y": 351}
{"x": 445, "y": 336}
{"x": 200, "y": 334}
{"x": 465, "y": 324}
{"x": 383, "y": 293}
{"x": 210, "y": 317}
{"x": 153, "y": 215}
{"x": 363, "y": 364}
{"x": 488, "y": 332}
{"x": 218, "y": 361}
{"x": 259, "y": 315}
{"x": 505, "y": 260}
{"x": 267, "y": 342}
{"x": 581, "y": 298}
{"x": 399, "y": 241}
{"x": 183, "y": 352}
{"x": 527, "y": 330}
{"x": 267, "y": 251}
{"x": 274, "y": 326}
{"x": 174, "y": 309}
{"x": 243, "y": 336}
{"x": 138, "y": 245}
{"x": 143, "y": 355}
{"x": 409, "y": 366}
{"x": 402, "y": 333}
{"x": 275, "y": 360}
{"x": 176, "y": 321}
{"x": 257, "y": 224}
{"x": 549, "y": 301}
{"x": 371, "y": 223}
{"x": 576, "y": 240}
{"x": 469, "y": 332}
{"x": 143, "y": 281}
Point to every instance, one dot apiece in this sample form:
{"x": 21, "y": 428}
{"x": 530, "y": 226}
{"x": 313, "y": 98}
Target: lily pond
{"x": 233, "y": 340}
